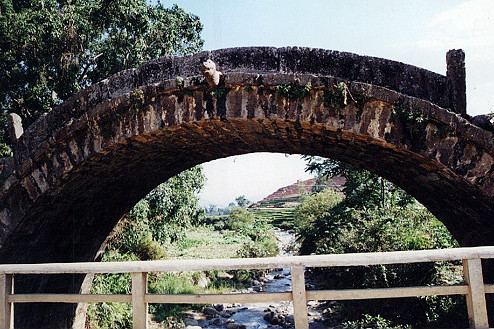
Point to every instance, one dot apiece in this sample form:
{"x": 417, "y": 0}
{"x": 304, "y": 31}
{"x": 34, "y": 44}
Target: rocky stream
{"x": 264, "y": 315}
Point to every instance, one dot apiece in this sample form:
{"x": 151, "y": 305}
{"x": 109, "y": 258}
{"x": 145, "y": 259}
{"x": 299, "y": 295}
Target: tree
{"x": 370, "y": 201}
{"x": 50, "y": 49}
{"x": 314, "y": 207}
{"x": 362, "y": 188}
{"x": 161, "y": 217}
{"x": 239, "y": 217}
{"x": 377, "y": 216}
{"x": 242, "y": 201}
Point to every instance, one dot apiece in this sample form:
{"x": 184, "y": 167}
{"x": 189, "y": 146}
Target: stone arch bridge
{"x": 83, "y": 165}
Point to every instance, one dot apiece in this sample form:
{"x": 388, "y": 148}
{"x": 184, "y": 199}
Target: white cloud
{"x": 469, "y": 26}
{"x": 471, "y": 16}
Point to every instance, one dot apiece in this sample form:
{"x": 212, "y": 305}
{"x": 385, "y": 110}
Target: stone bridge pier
{"x": 79, "y": 168}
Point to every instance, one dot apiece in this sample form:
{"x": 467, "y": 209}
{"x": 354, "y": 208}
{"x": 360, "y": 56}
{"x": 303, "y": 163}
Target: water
{"x": 278, "y": 280}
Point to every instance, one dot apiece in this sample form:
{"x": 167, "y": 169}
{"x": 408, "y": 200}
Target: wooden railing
{"x": 474, "y": 289}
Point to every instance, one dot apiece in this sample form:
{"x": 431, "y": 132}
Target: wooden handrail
{"x": 474, "y": 290}
{"x": 184, "y": 265}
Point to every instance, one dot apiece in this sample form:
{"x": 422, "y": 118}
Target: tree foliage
{"x": 314, "y": 207}
{"x": 161, "y": 217}
{"x": 242, "y": 201}
{"x": 50, "y": 49}
{"x": 238, "y": 218}
{"x": 262, "y": 241}
{"x": 376, "y": 216}
{"x": 362, "y": 188}
{"x": 143, "y": 234}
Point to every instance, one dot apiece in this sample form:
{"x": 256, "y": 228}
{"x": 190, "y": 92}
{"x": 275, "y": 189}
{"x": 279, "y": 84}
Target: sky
{"x": 417, "y": 32}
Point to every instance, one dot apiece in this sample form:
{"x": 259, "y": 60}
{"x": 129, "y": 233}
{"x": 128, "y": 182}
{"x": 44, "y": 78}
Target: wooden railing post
{"x": 6, "y": 308}
{"x": 139, "y": 306}
{"x": 299, "y": 298}
{"x": 476, "y": 305}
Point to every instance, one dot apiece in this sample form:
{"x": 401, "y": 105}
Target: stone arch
{"x": 82, "y": 166}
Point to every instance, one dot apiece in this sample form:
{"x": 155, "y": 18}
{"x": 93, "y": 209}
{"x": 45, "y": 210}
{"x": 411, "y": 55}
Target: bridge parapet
{"x": 406, "y": 79}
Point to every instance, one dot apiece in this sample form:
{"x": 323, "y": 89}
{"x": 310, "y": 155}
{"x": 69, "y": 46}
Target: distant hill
{"x": 291, "y": 196}
{"x": 278, "y": 208}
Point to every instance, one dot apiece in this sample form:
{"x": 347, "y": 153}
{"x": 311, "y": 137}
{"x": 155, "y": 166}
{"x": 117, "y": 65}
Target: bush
{"x": 111, "y": 315}
{"x": 253, "y": 249}
{"x": 220, "y": 225}
{"x": 262, "y": 239}
{"x": 343, "y": 229}
{"x": 346, "y": 230}
{"x": 315, "y": 206}
{"x": 170, "y": 283}
{"x": 239, "y": 217}
{"x": 261, "y": 243}
{"x": 149, "y": 249}
{"x": 369, "y": 321}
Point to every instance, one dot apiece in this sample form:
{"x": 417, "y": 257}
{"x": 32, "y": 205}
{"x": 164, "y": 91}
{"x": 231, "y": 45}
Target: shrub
{"x": 315, "y": 206}
{"x": 170, "y": 283}
{"x": 343, "y": 229}
{"x": 369, "y": 321}
{"x": 111, "y": 315}
{"x": 220, "y": 225}
{"x": 239, "y": 217}
{"x": 149, "y": 249}
{"x": 253, "y": 249}
{"x": 262, "y": 239}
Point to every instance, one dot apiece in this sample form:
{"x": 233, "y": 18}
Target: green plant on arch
{"x": 180, "y": 82}
{"x": 413, "y": 119}
{"x": 137, "y": 100}
{"x": 338, "y": 96}
{"x": 293, "y": 91}
{"x": 219, "y": 92}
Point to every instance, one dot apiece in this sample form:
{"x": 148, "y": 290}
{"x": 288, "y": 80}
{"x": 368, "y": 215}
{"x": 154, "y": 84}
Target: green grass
{"x": 200, "y": 242}
{"x": 205, "y": 242}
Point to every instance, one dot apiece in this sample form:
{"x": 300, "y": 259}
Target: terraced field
{"x": 278, "y": 217}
